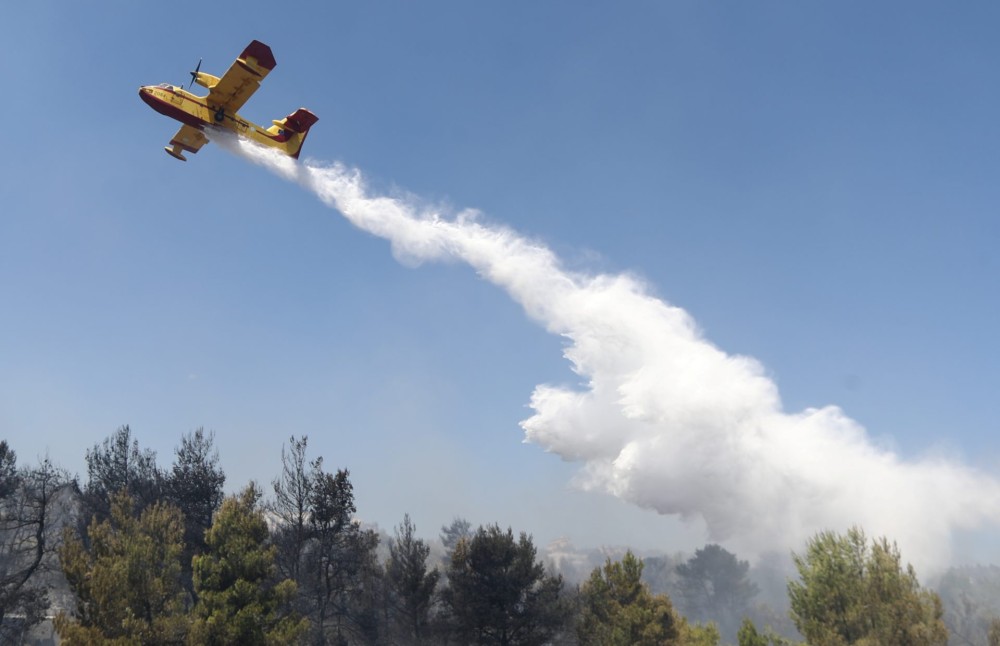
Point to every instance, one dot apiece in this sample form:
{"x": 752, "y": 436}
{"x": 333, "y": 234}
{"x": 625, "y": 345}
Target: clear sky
{"x": 814, "y": 183}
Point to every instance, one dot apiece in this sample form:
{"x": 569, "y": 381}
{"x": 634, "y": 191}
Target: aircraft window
{"x": 165, "y": 86}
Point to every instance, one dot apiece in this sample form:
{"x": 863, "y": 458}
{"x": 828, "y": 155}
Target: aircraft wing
{"x": 242, "y": 78}
{"x": 187, "y": 139}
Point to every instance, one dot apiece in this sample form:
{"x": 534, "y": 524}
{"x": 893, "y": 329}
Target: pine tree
{"x": 195, "y": 485}
{"x": 853, "y": 592}
{"x": 237, "y": 602}
{"x": 127, "y": 582}
{"x": 498, "y": 594}
{"x": 342, "y": 577}
{"x": 116, "y": 465}
{"x": 410, "y": 586}
{"x": 619, "y": 610}
{"x": 714, "y": 586}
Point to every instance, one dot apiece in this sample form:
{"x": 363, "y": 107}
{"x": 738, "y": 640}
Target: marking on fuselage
{"x": 200, "y": 110}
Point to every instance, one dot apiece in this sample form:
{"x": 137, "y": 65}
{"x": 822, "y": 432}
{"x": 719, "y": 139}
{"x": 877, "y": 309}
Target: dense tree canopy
{"x": 499, "y": 594}
{"x": 855, "y": 592}
{"x": 714, "y": 586}
{"x": 238, "y": 603}
{"x": 619, "y": 610}
{"x": 341, "y": 577}
{"x": 118, "y": 464}
{"x": 126, "y": 577}
{"x": 459, "y": 529}
{"x": 195, "y": 485}
{"x": 159, "y": 557}
{"x": 409, "y": 585}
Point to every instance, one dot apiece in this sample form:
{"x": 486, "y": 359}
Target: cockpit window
{"x": 166, "y": 86}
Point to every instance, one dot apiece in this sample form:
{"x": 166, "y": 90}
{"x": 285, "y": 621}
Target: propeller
{"x": 194, "y": 74}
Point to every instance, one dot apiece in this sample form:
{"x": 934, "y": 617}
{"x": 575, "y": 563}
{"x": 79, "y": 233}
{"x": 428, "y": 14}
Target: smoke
{"x": 666, "y": 420}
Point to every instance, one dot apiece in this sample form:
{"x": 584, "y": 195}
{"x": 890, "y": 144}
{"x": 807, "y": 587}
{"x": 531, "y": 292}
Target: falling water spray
{"x": 664, "y": 419}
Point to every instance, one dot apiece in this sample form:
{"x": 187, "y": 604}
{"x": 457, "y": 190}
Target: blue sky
{"x": 814, "y": 184}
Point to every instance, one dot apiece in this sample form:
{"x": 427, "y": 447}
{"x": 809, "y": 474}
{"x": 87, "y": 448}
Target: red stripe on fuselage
{"x": 170, "y": 110}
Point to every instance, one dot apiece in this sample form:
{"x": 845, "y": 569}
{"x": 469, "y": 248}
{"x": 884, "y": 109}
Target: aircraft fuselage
{"x": 192, "y": 110}
{"x": 219, "y": 107}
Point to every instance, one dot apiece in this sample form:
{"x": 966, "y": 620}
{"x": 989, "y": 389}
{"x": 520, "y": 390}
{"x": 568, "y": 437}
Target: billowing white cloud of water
{"x": 665, "y": 419}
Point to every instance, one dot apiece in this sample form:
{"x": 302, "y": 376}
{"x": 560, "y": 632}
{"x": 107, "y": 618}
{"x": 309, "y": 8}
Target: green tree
{"x": 116, "y": 465}
{"x": 325, "y": 551}
{"x": 713, "y": 586}
{"x": 127, "y": 582}
{"x": 698, "y": 634}
{"x": 498, "y": 594}
{"x": 237, "y": 601}
{"x": 410, "y": 586}
{"x": 748, "y": 635}
{"x": 853, "y": 592}
{"x": 342, "y": 577}
{"x": 619, "y": 610}
{"x": 194, "y": 484}
{"x": 451, "y": 534}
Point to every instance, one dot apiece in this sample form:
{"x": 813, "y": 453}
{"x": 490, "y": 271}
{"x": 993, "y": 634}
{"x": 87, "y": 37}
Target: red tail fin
{"x": 300, "y": 121}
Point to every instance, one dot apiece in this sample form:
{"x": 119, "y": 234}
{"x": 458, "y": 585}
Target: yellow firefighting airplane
{"x": 225, "y": 96}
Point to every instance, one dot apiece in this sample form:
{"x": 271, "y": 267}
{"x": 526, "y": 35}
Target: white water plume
{"x": 665, "y": 419}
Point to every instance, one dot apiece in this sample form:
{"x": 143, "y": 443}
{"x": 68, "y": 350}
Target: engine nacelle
{"x": 206, "y": 80}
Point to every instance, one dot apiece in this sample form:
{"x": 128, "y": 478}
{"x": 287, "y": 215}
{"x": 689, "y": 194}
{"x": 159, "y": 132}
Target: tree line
{"x": 144, "y": 555}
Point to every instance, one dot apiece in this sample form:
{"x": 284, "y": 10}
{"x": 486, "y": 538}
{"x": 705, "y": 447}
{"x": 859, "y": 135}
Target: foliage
{"x": 698, "y": 635}
{"x": 127, "y": 583}
{"x": 619, "y": 610}
{"x": 8, "y": 470}
{"x": 499, "y": 594}
{"x": 194, "y": 485}
{"x": 410, "y": 587}
{"x": 237, "y": 602}
{"x": 713, "y": 586}
{"x": 119, "y": 465}
{"x": 324, "y": 550}
{"x": 28, "y": 533}
{"x": 451, "y": 534}
{"x": 315, "y": 576}
{"x": 748, "y": 635}
{"x": 342, "y": 577}
{"x": 855, "y": 593}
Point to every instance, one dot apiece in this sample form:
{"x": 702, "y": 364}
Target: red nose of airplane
{"x": 146, "y": 94}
